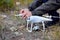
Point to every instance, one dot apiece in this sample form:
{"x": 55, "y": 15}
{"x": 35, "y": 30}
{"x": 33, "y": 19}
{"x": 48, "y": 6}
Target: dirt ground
{"x": 14, "y": 29}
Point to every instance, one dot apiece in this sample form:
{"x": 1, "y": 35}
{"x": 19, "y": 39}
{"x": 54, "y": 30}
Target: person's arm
{"x": 50, "y": 5}
{"x": 35, "y": 4}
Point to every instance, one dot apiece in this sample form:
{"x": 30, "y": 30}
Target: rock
{"x": 18, "y": 34}
{"x": 13, "y": 29}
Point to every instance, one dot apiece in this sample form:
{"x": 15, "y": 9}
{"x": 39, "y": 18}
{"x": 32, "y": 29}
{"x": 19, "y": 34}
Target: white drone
{"x": 36, "y": 19}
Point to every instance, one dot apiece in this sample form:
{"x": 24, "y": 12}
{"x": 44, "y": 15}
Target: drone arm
{"x": 43, "y": 26}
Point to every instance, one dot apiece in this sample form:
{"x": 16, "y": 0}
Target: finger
{"x": 22, "y": 11}
{"x": 24, "y": 16}
{"x": 27, "y": 16}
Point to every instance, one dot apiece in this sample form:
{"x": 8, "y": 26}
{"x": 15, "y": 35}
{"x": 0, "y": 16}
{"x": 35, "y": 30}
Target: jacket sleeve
{"x": 50, "y": 5}
{"x": 35, "y": 4}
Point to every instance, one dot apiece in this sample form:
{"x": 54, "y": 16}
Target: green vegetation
{"x": 6, "y": 4}
{"x": 25, "y": 2}
{"x": 10, "y": 4}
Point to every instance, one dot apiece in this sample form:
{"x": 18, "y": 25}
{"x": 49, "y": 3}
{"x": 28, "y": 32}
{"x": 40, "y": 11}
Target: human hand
{"x": 26, "y": 13}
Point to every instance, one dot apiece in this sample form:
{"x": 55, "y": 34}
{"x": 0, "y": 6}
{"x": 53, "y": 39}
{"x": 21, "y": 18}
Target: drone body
{"x": 37, "y": 19}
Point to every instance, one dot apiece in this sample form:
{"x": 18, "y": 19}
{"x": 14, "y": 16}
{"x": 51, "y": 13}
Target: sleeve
{"x": 46, "y": 7}
{"x": 34, "y": 4}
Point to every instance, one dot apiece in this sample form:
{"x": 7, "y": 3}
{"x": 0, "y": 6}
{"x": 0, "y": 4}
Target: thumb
{"x": 22, "y": 11}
